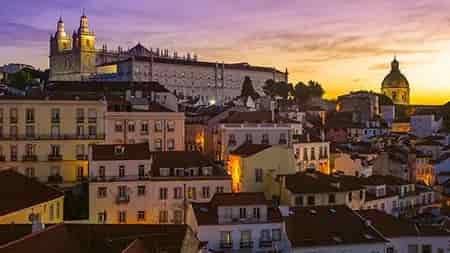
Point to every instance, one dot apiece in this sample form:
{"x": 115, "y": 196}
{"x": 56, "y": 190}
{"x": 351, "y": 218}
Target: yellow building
{"x": 395, "y": 85}
{"x": 253, "y": 166}
{"x": 24, "y": 198}
{"x": 48, "y": 138}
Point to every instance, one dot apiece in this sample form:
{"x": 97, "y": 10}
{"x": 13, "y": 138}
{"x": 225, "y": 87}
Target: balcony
{"x": 82, "y": 157}
{"x": 226, "y": 244}
{"x": 55, "y": 157}
{"x": 80, "y": 119}
{"x": 246, "y": 244}
{"x": 55, "y": 179}
{"x": 122, "y": 199}
{"x": 92, "y": 120}
{"x": 265, "y": 243}
{"x": 29, "y": 158}
{"x": 55, "y": 120}
{"x": 54, "y": 137}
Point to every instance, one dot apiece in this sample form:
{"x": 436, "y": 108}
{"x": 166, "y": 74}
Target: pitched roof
{"x": 248, "y": 149}
{"x": 383, "y": 180}
{"x": 19, "y": 192}
{"x": 316, "y": 182}
{"x": 87, "y": 238}
{"x": 103, "y": 86}
{"x": 239, "y": 198}
{"x": 391, "y": 226}
{"x": 328, "y": 226}
{"x": 255, "y": 117}
{"x": 110, "y": 152}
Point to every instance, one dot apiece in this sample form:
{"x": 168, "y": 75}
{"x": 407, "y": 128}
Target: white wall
{"x": 361, "y": 248}
{"x": 400, "y": 244}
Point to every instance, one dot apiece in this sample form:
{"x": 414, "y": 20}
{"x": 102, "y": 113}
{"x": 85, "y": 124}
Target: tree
{"x": 281, "y": 89}
{"x": 304, "y": 92}
{"x": 19, "y": 79}
{"x": 248, "y": 90}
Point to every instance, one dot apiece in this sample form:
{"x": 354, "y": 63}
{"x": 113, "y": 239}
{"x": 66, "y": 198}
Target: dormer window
{"x": 207, "y": 171}
{"x": 119, "y": 150}
{"x": 179, "y": 172}
{"x": 164, "y": 172}
{"x": 192, "y": 172}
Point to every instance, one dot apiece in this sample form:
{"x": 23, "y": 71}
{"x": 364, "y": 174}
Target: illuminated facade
{"x": 48, "y": 138}
{"x": 395, "y": 85}
{"x": 312, "y": 152}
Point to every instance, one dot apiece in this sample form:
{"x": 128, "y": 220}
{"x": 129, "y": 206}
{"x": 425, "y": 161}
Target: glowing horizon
{"x": 343, "y": 44}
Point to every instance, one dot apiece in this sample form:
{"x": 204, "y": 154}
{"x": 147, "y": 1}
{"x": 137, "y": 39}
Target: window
{"x": 58, "y": 210}
{"x": 361, "y": 194}
{"x": 131, "y": 127}
{"x": 305, "y": 154}
{"x": 219, "y": 189}
{"x": 118, "y": 126}
{"x": 228, "y": 213}
{"x": 141, "y": 190}
{"x": 350, "y": 197}
{"x": 122, "y": 217}
{"x": 51, "y": 212}
{"x": 158, "y": 126}
{"x": 231, "y": 140}
{"x": 101, "y": 217}
{"x": 80, "y": 115}
{"x": 248, "y": 138}
{"x": 80, "y": 149}
{"x": 256, "y": 213}
{"x": 13, "y": 131}
{"x": 265, "y": 139}
{"x": 29, "y": 115}
{"x": 144, "y": 127}
{"x": 205, "y": 192}
{"x": 162, "y": 193}
{"x": 242, "y": 213}
{"x": 54, "y": 150}
{"x": 122, "y": 189}
{"x": 29, "y": 149}
{"x": 141, "y": 215}
{"x": 246, "y": 236}
{"x": 178, "y": 216}
{"x": 427, "y": 248}
{"x": 413, "y": 248}
{"x": 101, "y": 171}
{"x": 80, "y": 172}
{"x": 92, "y": 115}
{"x": 92, "y": 131}
{"x": 311, "y": 200}
{"x": 258, "y": 175}
{"x": 13, "y": 115}
{"x": 282, "y": 138}
{"x": 192, "y": 193}
{"x": 163, "y": 216}
{"x": 331, "y": 199}
{"x": 170, "y": 144}
{"x": 177, "y": 193}
{"x": 171, "y": 126}
{"x": 158, "y": 144}
{"x": 276, "y": 234}
{"x": 29, "y": 172}
{"x": 299, "y": 201}
{"x": 265, "y": 235}
{"x": 55, "y": 171}
{"x": 55, "y": 115}
{"x": 225, "y": 237}
{"x": 313, "y": 154}
{"x": 55, "y": 131}
{"x": 101, "y": 192}
{"x": 13, "y": 153}
{"x": 80, "y": 130}
{"x": 121, "y": 171}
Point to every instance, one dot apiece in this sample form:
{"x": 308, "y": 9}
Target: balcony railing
{"x": 92, "y": 120}
{"x": 265, "y": 243}
{"x": 117, "y": 178}
{"x": 82, "y": 157}
{"x": 122, "y": 199}
{"x": 55, "y": 157}
{"x": 226, "y": 244}
{"x": 54, "y": 137}
{"x": 55, "y": 120}
{"x": 80, "y": 119}
{"x": 29, "y": 158}
{"x": 246, "y": 244}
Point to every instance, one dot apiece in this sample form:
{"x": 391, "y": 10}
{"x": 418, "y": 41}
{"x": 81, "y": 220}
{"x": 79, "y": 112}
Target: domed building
{"x": 395, "y": 85}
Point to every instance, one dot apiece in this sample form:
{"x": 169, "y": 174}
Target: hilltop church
{"x": 395, "y": 85}
{"x": 75, "y": 58}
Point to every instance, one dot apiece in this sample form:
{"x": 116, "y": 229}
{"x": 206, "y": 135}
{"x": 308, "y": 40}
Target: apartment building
{"x": 129, "y": 184}
{"x": 25, "y": 200}
{"x": 148, "y": 122}
{"x": 47, "y": 137}
{"x": 240, "y": 222}
{"x": 312, "y": 152}
{"x": 312, "y": 188}
{"x": 252, "y": 127}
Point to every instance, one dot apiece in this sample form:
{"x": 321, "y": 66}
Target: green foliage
{"x": 19, "y": 79}
{"x": 304, "y": 92}
{"x": 446, "y": 115}
{"x": 281, "y": 89}
{"x": 247, "y": 89}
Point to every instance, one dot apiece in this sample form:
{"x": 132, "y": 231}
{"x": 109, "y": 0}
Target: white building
{"x": 312, "y": 152}
{"x": 160, "y": 127}
{"x": 129, "y": 184}
{"x": 240, "y": 222}
{"x": 331, "y": 229}
{"x": 425, "y": 125}
{"x": 252, "y": 127}
{"x": 405, "y": 236}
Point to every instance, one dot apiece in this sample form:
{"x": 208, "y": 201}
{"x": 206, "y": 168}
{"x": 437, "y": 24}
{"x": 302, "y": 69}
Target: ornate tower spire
{"x": 394, "y": 64}
{"x": 84, "y": 24}
{"x": 60, "y": 28}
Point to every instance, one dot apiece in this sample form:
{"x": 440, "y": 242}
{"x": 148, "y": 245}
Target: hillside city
{"x": 146, "y": 150}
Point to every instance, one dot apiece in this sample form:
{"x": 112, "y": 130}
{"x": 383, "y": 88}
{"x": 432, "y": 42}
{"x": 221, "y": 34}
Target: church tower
{"x": 72, "y": 58}
{"x": 395, "y": 85}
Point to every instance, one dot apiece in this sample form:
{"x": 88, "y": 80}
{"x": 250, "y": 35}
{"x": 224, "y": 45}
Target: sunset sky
{"x": 343, "y": 44}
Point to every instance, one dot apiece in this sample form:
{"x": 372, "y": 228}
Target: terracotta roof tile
{"x": 248, "y": 149}
{"x": 316, "y": 182}
{"x": 110, "y": 152}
